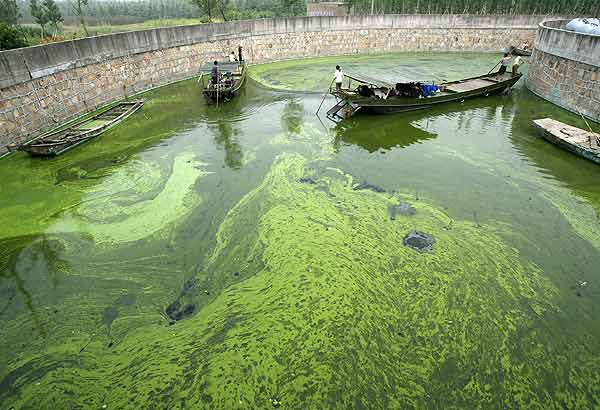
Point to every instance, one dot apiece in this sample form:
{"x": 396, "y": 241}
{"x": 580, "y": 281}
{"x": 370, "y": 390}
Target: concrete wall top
{"x": 21, "y": 65}
{"x": 553, "y": 39}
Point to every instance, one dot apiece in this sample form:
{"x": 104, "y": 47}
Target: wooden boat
{"x": 75, "y": 134}
{"x": 380, "y": 97}
{"x": 232, "y": 76}
{"x": 519, "y": 51}
{"x": 583, "y": 143}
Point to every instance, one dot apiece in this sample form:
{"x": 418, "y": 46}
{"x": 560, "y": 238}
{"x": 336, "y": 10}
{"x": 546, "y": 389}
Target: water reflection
{"x": 226, "y": 136}
{"x": 291, "y": 118}
{"x": 29, "y": 265}
{"x": 382, "y": 132}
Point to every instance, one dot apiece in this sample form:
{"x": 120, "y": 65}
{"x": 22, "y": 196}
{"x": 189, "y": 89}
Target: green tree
{"x": 38, "y": 12}
{"x": 207, "y": 6}
{"x": 10, "y": 37}
{"x": 78, "y": 7}
{"x": 9, "y": 12}
{"x": 53, "y": 14}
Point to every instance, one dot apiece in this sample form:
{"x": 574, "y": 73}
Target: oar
{"x": 325, "y": 95}
{"x": 495, "y": 66}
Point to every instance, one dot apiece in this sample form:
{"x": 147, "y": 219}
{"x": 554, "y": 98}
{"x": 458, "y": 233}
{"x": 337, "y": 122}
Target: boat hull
{"x": 520, "y": 52}
{"x": 389, "y": 106}
{"x": 569, "y": 138}
{"x": 58, "y": 142}
{"x": 223, "y": 94}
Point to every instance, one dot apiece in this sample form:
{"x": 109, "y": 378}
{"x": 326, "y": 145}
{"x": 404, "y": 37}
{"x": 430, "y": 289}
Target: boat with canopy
{"x": 362, "y": 93}
{"x": 231, "y": 77}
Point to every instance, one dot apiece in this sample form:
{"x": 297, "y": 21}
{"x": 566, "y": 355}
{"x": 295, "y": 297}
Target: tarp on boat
{"x": 361, "y": 78}
{"x": 585, "y": 26}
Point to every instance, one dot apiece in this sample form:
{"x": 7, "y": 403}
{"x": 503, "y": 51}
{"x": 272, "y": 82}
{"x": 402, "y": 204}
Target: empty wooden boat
{"x": 375, "y": 96}
{"x": 583, "y": 143}
{"x": 57, "y": 142}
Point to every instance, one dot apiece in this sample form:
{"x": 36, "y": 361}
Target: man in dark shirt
{"x": 214, "y": 73}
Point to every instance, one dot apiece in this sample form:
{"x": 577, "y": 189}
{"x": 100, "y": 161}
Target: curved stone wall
{"x": 565, "y": 68}
{"x": 43, "y": 86}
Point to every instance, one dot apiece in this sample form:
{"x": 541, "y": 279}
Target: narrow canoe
{"x": 75, "y": 134}
{"x": 232, "y": 77}
{"x": 382, "y": 98}
{"x": 583, "y": 143}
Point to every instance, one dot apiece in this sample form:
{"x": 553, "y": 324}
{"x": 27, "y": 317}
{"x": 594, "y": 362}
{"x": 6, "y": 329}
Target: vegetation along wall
{"x": 565, "y": 68}
{"x": 43, "y": 86}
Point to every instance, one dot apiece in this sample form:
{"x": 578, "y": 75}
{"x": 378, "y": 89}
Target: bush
{"x": 10, "y": 37}
{"x": 31, "y": 31}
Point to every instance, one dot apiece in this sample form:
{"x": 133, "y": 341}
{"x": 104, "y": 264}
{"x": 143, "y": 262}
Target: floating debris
{"x": 419, "y": 241}
{"x": 370, "y": 187}
{"x": 404, "y": 209}
{"x": 307, "y": 180}
{"x": 109, "y": 315}
{"x": 126, "y": 300}
{"x": 176, "y": 313}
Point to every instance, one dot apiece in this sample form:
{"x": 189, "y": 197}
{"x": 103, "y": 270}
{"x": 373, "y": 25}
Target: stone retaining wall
{"x": 43, "y": 86}
{"x": 565, "y": 69}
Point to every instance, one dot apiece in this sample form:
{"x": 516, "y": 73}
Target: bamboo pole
{"x": 325, "y": 95}
{"x": 495, "y": 66}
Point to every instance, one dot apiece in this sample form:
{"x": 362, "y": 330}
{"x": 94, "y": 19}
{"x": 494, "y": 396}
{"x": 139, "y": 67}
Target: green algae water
{"x": 253, "y": 255}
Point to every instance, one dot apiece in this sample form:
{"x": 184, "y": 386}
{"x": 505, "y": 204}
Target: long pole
{"x": 325, "y": 95}
{"x": 495, "y": 66}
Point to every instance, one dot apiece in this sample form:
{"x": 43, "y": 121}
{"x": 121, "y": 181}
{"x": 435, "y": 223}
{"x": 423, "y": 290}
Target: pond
{"x": 253, "y": 255}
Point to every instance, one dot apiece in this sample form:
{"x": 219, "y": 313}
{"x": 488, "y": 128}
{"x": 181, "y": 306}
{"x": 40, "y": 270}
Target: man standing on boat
{"x": 339, "y": 78}
{"x": 516, "y": 64}
{"x": 214, "y": 73}
{"x": 504, "y": 64}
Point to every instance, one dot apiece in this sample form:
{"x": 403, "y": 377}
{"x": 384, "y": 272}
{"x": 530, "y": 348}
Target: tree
{"x": 53, "y": 13}
{"x": 10, "y": 37}
{"x": 78, "y": 8}
{"x": 9, "y": 12}
{"x": 206, "y": 6}
{"x": 38, "y": 12}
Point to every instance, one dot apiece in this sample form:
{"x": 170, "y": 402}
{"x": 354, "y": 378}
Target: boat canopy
{"x": 361, "y": 78}
{"x": 224, "y": 66}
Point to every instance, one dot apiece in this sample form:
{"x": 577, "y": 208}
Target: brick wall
{"x": 44, "y": 86}
{"x": 565, "y": 69}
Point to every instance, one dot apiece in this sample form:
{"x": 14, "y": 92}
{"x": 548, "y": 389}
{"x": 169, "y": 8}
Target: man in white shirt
{"x": 232, "y": 57}
{"x": 339, "y": 78}
{"x": 515, "y": 68}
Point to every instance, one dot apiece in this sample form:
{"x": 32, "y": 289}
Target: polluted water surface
{"x": 255, "y": 256}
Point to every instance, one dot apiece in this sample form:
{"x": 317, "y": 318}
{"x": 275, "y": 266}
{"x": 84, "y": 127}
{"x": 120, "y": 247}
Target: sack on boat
{"x": 584, "y": 25}
{"x": 429, "y": 89}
